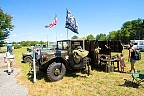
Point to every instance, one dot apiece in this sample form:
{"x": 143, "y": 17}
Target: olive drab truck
{"x": 70, "y": 55}
{"x": 77, "y": 56}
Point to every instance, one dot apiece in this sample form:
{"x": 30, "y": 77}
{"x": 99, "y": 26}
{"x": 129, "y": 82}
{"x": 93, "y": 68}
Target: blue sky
{"x": 93, "y": 17}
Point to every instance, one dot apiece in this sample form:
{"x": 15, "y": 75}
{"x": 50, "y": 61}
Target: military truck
{"x": 69, "y": 55}
{"x": 27, "y": 56}
{"x": 77, "y": 56}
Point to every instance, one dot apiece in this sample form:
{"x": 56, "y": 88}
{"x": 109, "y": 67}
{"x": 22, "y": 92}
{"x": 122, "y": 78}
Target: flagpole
{"x": 67, "y": 33}
{"x": 47, "y": 40}
{"x": 56, "y": 31}
{"x": 56, "y": 36}
{"x": 50, "y": 26}
{"x": 46, "y": 37}
{"x": 50, "y": 30}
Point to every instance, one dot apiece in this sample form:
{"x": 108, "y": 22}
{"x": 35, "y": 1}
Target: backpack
{"x": 137, "y": 55}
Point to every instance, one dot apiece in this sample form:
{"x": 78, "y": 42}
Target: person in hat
{"x": 9, "y": 58}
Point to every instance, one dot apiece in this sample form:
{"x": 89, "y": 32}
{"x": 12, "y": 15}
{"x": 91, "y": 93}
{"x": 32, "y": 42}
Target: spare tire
{"x": 28, "y": 59}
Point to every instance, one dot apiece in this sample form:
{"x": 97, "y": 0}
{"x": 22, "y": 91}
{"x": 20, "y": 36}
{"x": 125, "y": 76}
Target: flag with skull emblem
{"x": 71, "y": 22}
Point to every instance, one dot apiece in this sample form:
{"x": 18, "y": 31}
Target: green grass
{"x": 2, "y": 49}
{"x": 97, "y": 84}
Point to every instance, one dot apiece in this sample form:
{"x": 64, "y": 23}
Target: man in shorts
{"x": 9, "y": 58}
{"x": 132, "y": 58}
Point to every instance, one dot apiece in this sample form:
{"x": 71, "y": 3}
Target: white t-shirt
{"x": 9, "y": 56}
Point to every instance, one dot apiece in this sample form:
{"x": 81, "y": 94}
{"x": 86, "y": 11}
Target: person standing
{"x": 122, "y": 62}
{"x": 9, "y": 58}
{"x": 132, "y": 58}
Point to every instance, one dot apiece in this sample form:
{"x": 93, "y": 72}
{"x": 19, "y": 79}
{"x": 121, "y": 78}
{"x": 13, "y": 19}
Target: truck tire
{"x": 28, "y": 59}
{"x": 56, "y": 71}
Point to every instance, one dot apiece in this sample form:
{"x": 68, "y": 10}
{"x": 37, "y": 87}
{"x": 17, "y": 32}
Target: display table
{"x": 112, "y": 62}
{"x": 117, "y": 61}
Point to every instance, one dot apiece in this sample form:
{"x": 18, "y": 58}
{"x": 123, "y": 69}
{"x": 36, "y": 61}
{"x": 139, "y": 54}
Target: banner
{"x": 71, "y": 22}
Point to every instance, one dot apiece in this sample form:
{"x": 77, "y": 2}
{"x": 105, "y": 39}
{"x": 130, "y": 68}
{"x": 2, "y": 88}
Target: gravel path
{"x": 8, "y": 84}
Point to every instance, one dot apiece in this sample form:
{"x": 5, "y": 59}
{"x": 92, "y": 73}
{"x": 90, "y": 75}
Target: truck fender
{"x": 57, "y": 59}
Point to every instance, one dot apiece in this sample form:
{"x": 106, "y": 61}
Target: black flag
{"x": 71, "y": 22}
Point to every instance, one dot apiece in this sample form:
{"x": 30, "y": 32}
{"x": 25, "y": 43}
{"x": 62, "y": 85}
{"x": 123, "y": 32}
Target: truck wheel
{"x": 56, "y": 71}
{"x": 28, "y": 59}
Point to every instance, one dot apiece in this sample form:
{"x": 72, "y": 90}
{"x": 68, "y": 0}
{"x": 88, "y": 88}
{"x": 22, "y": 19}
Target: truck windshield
{"x": 63, "y": 45}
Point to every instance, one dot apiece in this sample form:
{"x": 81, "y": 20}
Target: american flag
{"x": 53, "y": 23}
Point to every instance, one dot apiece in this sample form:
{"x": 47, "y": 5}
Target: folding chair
{"x": 138, "y": 77}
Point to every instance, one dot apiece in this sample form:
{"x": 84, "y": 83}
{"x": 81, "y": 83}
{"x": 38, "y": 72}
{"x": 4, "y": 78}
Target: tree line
{"x": 130, "y": 30}
{"x": 29, "y": 43}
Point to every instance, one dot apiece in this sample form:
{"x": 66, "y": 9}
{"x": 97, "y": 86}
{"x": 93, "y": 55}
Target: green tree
{"x": 133, "y": 29}
{"x": 82, "y": 38}
{"x": 90, "y": 37}
{"x": 42, "y": 43}
{"x": 31, "y": 43}
{"x": 114, "y": 35}
{"x": 130, "y": 30}
{"x": 1, "y": 44}
{"x": 101, "y": 37}
{"x": 5, "y": 25}
{"x": 74, "y": 37}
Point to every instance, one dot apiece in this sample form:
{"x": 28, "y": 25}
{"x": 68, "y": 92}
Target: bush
{"x": 142, "y": 50}
{"x": 17, "y": 46}
{"x": 2, "y": 49}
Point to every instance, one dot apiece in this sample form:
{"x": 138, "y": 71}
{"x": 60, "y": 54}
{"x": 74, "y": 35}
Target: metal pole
{"x": 56, "y": 36}
{"x": 67, "y": 34}
{"x": 34, "y": 68}
{"x": 47, "y": 40}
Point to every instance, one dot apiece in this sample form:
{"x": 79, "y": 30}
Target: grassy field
{"x": 97, "y": 84}
{"x": 2, "y": 49}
